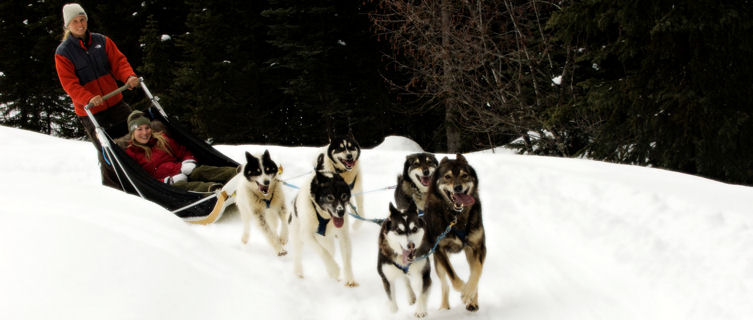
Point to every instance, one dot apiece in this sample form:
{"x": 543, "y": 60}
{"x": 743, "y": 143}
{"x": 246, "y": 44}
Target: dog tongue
{"x": 338, "y": 222}
{"x": 425, "y": 180}
{"x": 464, "y": 199}
{"x": 407, "y": 256}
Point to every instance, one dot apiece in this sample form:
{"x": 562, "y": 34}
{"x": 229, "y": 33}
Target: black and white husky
{"x": 319, "y": 218}
{"x": 402, "y": 240}
{"x": 260, "y": 197}
{"x": 342, "y": 155}
{"x": 414, "y": 182}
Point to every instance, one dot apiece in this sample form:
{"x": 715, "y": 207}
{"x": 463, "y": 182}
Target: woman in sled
{"x": 170, "y": 162}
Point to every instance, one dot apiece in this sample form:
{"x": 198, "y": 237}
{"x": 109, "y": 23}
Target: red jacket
{"x": 162, "y": 164}
{"x": 90, "y": 69}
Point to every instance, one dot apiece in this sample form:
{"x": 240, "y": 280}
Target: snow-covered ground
{"x": 566, "y": 239}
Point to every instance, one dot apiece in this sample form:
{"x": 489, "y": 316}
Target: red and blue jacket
{"x": 89, "y": 68}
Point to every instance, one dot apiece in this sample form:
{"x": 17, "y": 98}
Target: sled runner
{"x": 194, "y": 207}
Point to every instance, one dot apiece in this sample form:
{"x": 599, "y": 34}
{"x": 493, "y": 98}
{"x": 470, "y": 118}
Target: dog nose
{"x": 340, "y": 212}
{"x": 426, "y": 172}
{"x": 411, "y": 245}
{"x": 349, "y": 157}
{"x": 458, "y": 188}
{"x": 266, "y": 182}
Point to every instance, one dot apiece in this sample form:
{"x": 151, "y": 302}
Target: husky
{"x": 260, "y": 197}
{"x": 402, "y": 240}
{"x": 453, "y": 200}
{"x": 413, "y": 183}
{"x": 319, "y": 217}
{"x": 342, "y": 155}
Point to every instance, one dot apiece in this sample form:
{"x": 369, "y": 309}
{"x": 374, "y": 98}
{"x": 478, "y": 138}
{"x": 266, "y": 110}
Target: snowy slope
{"x": 566, "y": 238}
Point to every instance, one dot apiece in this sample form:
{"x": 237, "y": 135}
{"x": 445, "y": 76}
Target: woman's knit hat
{"x": 136, "y": 119}
{"x": 71, "y": 11}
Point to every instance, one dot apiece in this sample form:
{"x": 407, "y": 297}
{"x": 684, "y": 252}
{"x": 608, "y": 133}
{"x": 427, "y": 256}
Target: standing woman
{"x": 88, "y": 64}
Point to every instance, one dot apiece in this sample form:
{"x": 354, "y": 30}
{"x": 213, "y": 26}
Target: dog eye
{"x": 464, "y": 176}
{"x": 414, "y": 230}
{"x": 448, "y": 177}
{"x": 344, "y": 197}
{"x": 330, "y": 198}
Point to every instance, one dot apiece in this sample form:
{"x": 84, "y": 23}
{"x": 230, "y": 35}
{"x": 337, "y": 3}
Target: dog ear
{"x": 445, "y": 159}
{"x": 250, "y": 158}
{"x": 319, "y": 163}
{"x": 393, "y": 210}
{"x": 461, "y": 159}
{"x": 266, "y": 155}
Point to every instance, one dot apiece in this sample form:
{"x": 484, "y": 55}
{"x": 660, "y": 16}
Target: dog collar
{"x": 268, "y": 201}
{"x": 322, "y": 227}
{"x": 403, "y": 268}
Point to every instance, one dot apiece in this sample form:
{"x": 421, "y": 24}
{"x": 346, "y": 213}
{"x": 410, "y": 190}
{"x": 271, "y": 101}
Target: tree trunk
{"x": 454, "y": 142}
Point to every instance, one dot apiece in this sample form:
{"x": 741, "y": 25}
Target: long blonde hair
{"x": 161, "y": 144}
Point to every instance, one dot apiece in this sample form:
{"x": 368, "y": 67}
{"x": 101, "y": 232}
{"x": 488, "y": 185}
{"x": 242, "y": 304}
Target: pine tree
{"x": 666, "y": 81}
{"x": 30, "y": 93}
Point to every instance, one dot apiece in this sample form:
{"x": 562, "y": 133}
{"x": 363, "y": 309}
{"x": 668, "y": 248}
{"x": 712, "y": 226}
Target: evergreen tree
{"x": 30, "y": 93}
{"x": 329, "y": 63}
{"x": 218, "y": 88}
{"x": 667, "y": 82}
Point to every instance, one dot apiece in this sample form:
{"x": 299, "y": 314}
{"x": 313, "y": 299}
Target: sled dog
{"x": 453, "y": 198}
{"x": 342, "y": 156}
{"x": 402, "y": 240}
{"x": 260, "y": 197}
{"x": 413, "y": 183}
{"x": 319, "y": 219}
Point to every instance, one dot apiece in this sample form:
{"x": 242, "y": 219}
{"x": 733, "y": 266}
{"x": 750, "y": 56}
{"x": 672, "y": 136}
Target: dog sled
{"x": 194, "y": 207}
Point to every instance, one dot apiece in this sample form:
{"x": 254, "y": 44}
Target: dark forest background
{"x": 655, "y": 83}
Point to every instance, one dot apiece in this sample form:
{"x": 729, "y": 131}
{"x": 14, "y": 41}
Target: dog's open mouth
{"x": 408, "y": 254}
{"x": 349, "y": 164}
{"x": 460, "y": 200}
{"x": 425, "y": 180}
{"x": 338, "y": 222}
{"x": 263, "y": 189}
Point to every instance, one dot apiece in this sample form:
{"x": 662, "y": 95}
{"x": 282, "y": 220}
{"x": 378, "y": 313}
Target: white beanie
{"x": 71, "y": 11}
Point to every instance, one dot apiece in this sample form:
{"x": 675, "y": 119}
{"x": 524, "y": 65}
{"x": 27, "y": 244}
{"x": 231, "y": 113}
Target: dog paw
{"x": 281, "y": 253}
{"x": 244, "y": 239}
{"x": 351, "y": 284}
{"x": 472, "y": 307}
{"x": 420, "y": 314}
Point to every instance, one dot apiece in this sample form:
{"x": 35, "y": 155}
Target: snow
{"x": 566, "y": 238}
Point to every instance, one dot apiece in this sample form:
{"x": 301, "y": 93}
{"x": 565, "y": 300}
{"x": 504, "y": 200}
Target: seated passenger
{"x": 166, "y": 160}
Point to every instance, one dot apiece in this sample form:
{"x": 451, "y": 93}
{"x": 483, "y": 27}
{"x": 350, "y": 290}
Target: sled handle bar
{"x": 108, "y": 96}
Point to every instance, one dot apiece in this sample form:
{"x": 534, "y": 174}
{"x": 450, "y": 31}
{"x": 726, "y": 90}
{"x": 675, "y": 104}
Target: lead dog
{"x": 319, "y": 217}
{"x": 413, "y": 183}
{"x": 453, "y": 198}
{"x": 342, "y": 155}
{"x": 260, "y": 197}
{"x": 402, "y": 239}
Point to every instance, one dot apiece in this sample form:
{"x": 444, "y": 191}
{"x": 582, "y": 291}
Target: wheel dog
{"x": 260, "y": 197}
{"x": 401, "y": 240}
{"x": 342, "y": 155}
{"x": 413, "y": 184}
{"x": 319, "y": 217}
{"x": 452, "y": 201}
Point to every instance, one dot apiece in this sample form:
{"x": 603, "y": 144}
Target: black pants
{"x": 113, "y": 121}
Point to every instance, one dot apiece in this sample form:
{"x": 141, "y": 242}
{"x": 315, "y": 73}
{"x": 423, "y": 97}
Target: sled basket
{"x": 195, "y": 207}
